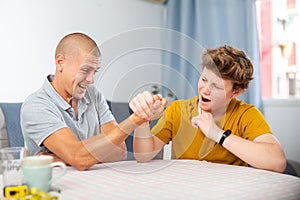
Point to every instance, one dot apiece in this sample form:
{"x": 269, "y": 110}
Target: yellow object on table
{"x": 15, "y": 191}
{"x": 24, "y": 194}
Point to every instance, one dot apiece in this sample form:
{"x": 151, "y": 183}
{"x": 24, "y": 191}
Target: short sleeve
{"x": 253, "y": 124}
{"x": 39, "y": 119}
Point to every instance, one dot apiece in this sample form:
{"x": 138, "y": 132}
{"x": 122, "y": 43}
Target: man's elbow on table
{"x": 89, "y": 158}
{"x": 81, "y": 167}
{"x": 79, "y": 158}
{"x": 83, "y": 163}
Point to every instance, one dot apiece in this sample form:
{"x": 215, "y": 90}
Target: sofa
{"x": 3, "y": 131}
{"x": 10, "y": 129}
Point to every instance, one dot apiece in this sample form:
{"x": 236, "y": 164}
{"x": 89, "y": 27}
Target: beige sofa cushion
{"x": 3, "y": 132}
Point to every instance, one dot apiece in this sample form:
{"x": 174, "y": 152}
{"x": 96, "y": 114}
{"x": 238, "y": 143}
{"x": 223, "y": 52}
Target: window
{"x": 279, "y": 38}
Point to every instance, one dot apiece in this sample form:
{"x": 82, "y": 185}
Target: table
{"x": 175, "y": 179}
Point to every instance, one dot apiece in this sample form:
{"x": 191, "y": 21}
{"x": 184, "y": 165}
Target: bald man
{"x": 69, "y": 118}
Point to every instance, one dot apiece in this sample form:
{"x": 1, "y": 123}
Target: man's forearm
{"x": 117, "y": 154}
{"x": 102, "y": 145}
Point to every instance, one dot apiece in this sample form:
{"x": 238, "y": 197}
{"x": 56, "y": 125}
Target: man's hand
{"x": 208, "y": 126}
{"x": 55, "y": 157}
{"x": 148, "y": 106}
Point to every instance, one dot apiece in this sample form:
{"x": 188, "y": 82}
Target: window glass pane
{"x": 279, "y": 30}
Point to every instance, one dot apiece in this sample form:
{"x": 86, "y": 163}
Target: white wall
{"x": 31, "y": 29}
{"x": 283, "y": 117}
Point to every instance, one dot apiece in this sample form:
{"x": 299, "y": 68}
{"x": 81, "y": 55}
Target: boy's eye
{"x": 219, "y": 87}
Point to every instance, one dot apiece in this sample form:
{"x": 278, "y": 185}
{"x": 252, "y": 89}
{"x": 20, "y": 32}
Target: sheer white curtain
{"x": 197, "y": 24}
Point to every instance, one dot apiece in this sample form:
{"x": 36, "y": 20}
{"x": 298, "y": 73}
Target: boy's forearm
{"x": 143, "y": 144}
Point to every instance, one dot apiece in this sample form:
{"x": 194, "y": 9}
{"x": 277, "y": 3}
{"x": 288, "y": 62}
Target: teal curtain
{"x": 194, "y": 25}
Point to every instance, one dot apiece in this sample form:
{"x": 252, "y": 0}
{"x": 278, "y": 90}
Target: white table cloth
{"x": 175, "y": 179}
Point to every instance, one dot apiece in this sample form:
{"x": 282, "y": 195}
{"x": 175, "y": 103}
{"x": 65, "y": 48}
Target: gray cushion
{"x": 11, "y": 113}
{"x": 292, "y": 168}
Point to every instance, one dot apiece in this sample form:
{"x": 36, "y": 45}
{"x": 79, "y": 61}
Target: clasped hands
{"x": 207, "y": 125}
{"x": 151, "y": 107}
{"x": 147, "y": 106}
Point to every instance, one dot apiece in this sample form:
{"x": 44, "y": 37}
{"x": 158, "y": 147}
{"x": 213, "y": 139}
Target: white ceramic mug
{"x": 37, "y": 171}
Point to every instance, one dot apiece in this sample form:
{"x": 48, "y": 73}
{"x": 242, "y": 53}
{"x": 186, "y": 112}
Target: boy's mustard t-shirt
{"x": 188, "y": 142}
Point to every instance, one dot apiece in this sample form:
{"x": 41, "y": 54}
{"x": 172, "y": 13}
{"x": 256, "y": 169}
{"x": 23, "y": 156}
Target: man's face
{"x": 214, "y": 92}
{"x": 79, "y": 73}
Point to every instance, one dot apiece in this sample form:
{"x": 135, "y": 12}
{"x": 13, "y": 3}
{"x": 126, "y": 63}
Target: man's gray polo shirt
{"x": 45, "y": 112}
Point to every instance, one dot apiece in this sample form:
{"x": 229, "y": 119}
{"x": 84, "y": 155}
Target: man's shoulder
{"x": 38, "y": 94}
{"x": 37, "y": 99}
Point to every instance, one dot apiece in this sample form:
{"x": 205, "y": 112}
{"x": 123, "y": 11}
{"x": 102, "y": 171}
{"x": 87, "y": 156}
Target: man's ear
{"x": 59, "y": 61}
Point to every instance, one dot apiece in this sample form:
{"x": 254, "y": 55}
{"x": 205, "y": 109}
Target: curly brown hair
{"x": 230, "y": 63}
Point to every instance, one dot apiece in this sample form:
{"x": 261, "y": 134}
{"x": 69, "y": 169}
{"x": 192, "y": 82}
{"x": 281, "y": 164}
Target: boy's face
{"x": 214, "y": 92}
